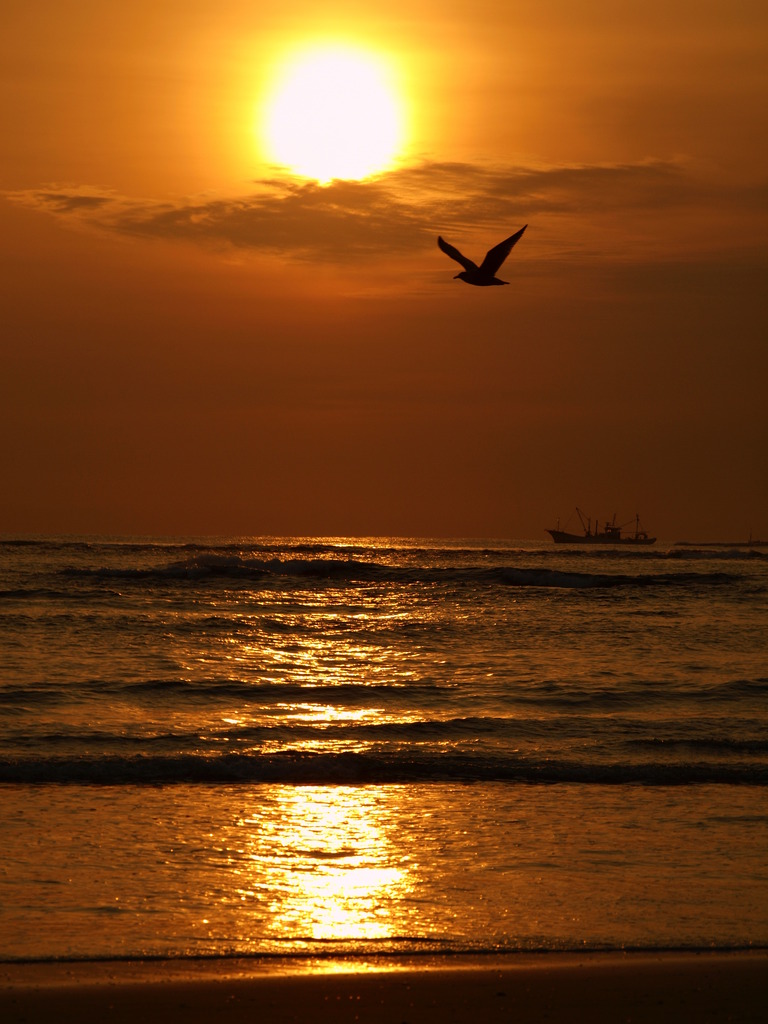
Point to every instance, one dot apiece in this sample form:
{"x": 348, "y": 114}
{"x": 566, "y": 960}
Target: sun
{"x": 333, "y": 112}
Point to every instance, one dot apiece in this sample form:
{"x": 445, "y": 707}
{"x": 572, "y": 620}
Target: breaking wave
{"x": 354, "y": 571}
{"x": 349, "y": 768}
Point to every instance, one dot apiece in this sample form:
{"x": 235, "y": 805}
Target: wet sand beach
{"x": 553, "y": 987}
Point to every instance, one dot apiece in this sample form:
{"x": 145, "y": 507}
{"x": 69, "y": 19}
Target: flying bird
{"x": 485, "y": 274}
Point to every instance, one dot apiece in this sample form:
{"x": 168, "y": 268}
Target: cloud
{"x": 394, "y": 214}
{"x": 344, "y": 220}
{"x": 62, "y": 200}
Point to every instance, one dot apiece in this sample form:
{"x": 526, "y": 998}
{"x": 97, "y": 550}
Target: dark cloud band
{"x": 396, "y": 213}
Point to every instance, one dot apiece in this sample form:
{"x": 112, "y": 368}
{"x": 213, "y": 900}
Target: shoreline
{"x": 554, "y": 987}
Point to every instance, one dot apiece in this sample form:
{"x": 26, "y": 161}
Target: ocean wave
{"x": 407, "y": 950}
{"x": 349, "y": 570}
{"x": 297, "y": 546}
{"x": 180, "y": 692}
{"x": 36, "y": 594}
{"x": 709, "y": 744}
{"x": 715, "y": 554}
{"x": 264, "y": 737}
{"x": 300, "y": 768}
{"x": 543, "y": 696}
{"x": 274, "y": 692}
{"x": 645, "y": 695}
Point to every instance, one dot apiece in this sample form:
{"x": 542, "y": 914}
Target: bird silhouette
{"x": 485, "y": 274}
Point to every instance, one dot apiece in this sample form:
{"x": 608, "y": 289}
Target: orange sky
{"x": 196, "y": 342}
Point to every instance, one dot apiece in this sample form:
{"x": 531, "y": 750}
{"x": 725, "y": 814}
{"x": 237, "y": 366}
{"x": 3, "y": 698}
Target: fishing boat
{"x": 610, "y": 534}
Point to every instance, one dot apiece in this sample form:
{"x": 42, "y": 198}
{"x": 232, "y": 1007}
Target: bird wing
{"x": 454, "y": 253}
{"x": 496, "y": 256}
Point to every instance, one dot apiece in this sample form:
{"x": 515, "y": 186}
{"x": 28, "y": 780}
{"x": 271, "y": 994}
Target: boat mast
{"x": 586, "y": 527}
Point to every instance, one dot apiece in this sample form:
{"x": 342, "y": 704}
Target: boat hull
{"x": 561, "y": 537}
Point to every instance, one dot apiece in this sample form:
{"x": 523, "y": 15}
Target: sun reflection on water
{"x": 324, "y": 864}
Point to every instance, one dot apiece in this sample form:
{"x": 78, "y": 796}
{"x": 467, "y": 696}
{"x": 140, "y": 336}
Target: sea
{"x": 380, "y": 747}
